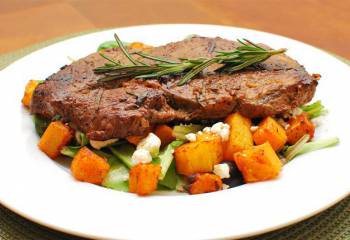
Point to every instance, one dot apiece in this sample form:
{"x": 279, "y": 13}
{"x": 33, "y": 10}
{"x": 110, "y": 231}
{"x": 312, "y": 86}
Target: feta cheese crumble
{"x": 141, "y": 156}
{"x": 222, "y": 129}
{"x": 150, "y": 143}
{"x": 222, "y": 170}
{"x": 206, "y": 129}
{"x": 191, "y": 137}
{"x": 254, "y": 128}
{"x": 219, "y": 128}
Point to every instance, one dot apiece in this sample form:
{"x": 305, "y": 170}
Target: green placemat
{"x": 332, "y": 224}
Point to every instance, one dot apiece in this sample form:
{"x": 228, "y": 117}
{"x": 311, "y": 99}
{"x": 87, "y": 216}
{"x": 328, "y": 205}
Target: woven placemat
{"x": 332, "y": 224}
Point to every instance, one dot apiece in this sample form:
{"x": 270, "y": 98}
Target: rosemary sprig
{"x": 121, "y": 45}
{"x": 243, "y": 56}
{"x": 158, "y": 59}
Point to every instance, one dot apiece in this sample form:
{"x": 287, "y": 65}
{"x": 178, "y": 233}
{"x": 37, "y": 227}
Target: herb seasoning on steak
{"x": 120, "y": 108}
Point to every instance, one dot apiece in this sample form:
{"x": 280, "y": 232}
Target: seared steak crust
{"x": 121, "y": 108}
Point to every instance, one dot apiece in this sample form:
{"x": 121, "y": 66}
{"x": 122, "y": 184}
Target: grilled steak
{"x": 120, "y": 108}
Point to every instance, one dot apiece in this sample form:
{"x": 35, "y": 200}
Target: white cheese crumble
{"x": 150, "y": 143}
{"x": 222, "y": 129}
{"x": 219, "y": 128}
{"x": 207, "y": 129}
{"x": 254, "y": 128}
{"x": 222, "y": 170}
{"x": 225, "y": 186}
{"x": 141, "y": 156}
{"x": 191, "y": 137}
{"x": 101, "y": 144}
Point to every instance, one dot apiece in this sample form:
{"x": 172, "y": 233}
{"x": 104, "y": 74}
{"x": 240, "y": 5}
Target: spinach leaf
{"x": 70, "y": 151}
{"x": 124, "y": 153}
{"x": 109, "y": 44}
{"x": 170, "y": 179}
{"x": 180, "y": 131}
{"x": 166, "y": 157}
{"x": 81, "y": 138}
{"x": 40, "y": 124}
{"x": 117, "y": 178}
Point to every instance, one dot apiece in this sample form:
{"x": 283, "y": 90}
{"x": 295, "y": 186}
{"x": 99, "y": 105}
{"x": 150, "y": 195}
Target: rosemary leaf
{"x": 158, "y": 59}
{"x": 109, "y": 59}
{"x": 120, "y": 44}
{"x": 247, "y": 54}
{"x": 196, "y": 70}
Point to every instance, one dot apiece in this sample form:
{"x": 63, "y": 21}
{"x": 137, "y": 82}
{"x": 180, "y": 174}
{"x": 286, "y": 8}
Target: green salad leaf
{"x": 180, "y": 131}
{"x": 110, "y": 44}
{"x": 40, "y": 124}
{"x": 170, "y": 179}
{"x": 81, "y": 138}
{"x": 315, "y": 109}
{"x": 176, "y": 143}
{"x": 190, "y": 36}
{"x": 70, "y": 151}
{"x": 165, "y": 157}
{"x": 57, "y": 117}
{"x": 303, "y": 146}
{"x": 117, "y": 178}
{"x": 124, "y": 153}
{"x": 168, "y": 175}
{"x": 182, "y": 184}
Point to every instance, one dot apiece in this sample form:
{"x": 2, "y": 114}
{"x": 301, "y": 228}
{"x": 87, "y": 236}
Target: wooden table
{"x": 323, "y": 23}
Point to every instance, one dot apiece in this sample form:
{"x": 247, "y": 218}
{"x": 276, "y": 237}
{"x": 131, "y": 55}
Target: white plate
{"x": 42, "y": 190}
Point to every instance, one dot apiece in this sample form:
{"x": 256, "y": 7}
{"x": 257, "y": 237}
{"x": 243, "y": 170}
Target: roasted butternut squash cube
{"x": 143, "y": 178}
{"x": 298, "y": 127}
{"x": 258, "y": 163}
{"x": 165, "y": 134}
{"x": 89, "y": 167}
{"x": 205, "y": 183}
{"x": 134, "y": 139}
{"x": 56, "y": 136}
{"x": 270, "y": 131}
{"x": 28, "y": 92}
{"x": 240, "y": 135}
{"x": 199, "y": 156}
{"x": 139, "y": 46}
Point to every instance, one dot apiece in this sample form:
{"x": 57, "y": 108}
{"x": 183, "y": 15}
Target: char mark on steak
{"x": 120, "y": 108}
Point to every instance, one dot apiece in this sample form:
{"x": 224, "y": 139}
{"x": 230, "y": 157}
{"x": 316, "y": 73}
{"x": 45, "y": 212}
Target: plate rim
{"x": 77, "y": 233}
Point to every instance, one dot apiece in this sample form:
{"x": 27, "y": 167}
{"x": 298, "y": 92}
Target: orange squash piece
{"x": 199, "y": 156}
{"x": 205, "y": 183}
{"x": 139, "y": 46}
{"x": 134, "y": 139}
{"x": 240, "y": 135}
{"x": 165, "y": 134}
{"x": 298, "y": 127}
{"x": 28, "y": 92}
{"x": 56, "y": 136}
{"x": 89, "y": 167}
{"x": 258, "y": 163}
{"x": 143, "y": 178}
{"x": 270, "y": 131}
